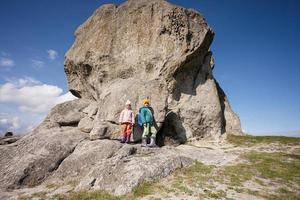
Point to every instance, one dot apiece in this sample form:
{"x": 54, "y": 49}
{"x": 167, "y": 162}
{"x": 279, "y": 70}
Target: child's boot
{"x": 123, "y": 139}
{"x": 152, "y": 142}
{"x": 128, "y": 138}
{"x": 144, "y": 142}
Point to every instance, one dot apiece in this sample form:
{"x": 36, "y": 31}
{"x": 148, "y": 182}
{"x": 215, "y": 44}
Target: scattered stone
{"x": 8, "y": 134}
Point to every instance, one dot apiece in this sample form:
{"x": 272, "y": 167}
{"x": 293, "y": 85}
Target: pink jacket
{"x": 126, "y": 116}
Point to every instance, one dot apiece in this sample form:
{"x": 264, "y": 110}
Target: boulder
{"x": 105, "y": 130}
{"x": 8, "y": 134}
{"x": 30, "y": 160}
{"x": 86, "y": 124}
{"x": 68, "y": 113}
{"x": 91, "y": 110}
{"x": 156, "y": 50}
{"x": 9, "y": 139}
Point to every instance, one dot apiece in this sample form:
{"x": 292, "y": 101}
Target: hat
{"x": 146, "y": 101}
{"x": 128, "y": 103}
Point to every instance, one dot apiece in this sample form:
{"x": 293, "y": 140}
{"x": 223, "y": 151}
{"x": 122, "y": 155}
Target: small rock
{"x": 91, "y": 110}
{"x": 99, "y": 132}
{"x": 8, "y": 134}
{"x": 86, "y": 124}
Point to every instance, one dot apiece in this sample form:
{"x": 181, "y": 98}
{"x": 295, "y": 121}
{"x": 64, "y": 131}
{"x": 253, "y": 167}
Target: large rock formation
{"x": 150, "y": 49}
{"x": 136, "y": 50}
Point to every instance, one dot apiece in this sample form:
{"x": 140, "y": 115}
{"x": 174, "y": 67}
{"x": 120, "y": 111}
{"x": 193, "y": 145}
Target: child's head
{"x": 146, "y": 102}
{"x": 128, "y": 104}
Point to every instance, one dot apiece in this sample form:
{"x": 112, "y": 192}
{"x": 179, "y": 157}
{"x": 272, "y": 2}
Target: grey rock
{"x": 30, "y": 160}
{"x": 101, "y": 164}
{"x": 232, "y": 124}
{"x": 68, "y": 113}
{"x": 86, "y": 124}
{"x": 9, "y": 139}
{"x": 8, "y": 134}
{"x": 91, "y": 110}
{"x": 86, "y": 155}
{"x": 99, "y": 132}
{"x": 150, "y": 49}
{"x": 104, "y": 130}
{"x": 108, "y": 165}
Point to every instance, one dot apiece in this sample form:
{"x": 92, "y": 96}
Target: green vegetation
{"x": 249, "y": 140}
{"x": 215, "y": 195}
{"x": 38, "y": 195}
{"x": 278, "y": 167}
{"x": 52, "y": 186}
{"x": 281, "y": 194}
{"x": 181, "y": 186}
{"x": 143, "y": 189}
{"x": 84, "y": 195}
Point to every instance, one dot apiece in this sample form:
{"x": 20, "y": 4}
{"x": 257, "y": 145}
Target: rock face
{"x": 151, "y": 49}
{"x": 9, "y": 139}
{"x": 136, "y": 50}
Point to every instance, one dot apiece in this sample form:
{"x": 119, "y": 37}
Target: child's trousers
{"x": 126, "y": 130}
{"x": 149, "y": 129}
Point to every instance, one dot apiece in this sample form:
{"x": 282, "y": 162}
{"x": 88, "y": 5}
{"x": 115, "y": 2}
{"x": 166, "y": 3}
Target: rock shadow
{"x": 172, "y": 131}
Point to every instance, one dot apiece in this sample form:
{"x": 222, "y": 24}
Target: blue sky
{"x": 256, "y": 49}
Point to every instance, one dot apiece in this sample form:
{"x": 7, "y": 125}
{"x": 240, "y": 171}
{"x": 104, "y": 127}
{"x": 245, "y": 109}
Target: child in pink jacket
{"x": 127, "y": 121}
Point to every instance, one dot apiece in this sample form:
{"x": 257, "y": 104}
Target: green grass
{"x": 52, "y": 186}
{"x": 249, "y": 140}
{"x": 216, "y": 195}
{"x": 84, "y": 195}
{"x": 144, "y": 189}
{"x": 282, "y": 193}
{"x": 235, "y": 175}
{"x": 273, "y": 166}
{"x": 181, "y": 186}
{"x": 37, "y": 195}
{"x": 276, "y": 165}
{"x": 198, "y": 168}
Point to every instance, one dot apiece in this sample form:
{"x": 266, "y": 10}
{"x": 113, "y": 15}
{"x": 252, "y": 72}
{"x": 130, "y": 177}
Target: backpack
{"x": 139, "y": 118}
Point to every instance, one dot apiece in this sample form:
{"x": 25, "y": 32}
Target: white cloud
{"x": 25, "y": 81}
{"x": 6, "y": 62}
{"x": 30, "y": 95}
{"x": 52, "y": 54}
{"x": 37, "y": 64}
{"x": 9, "y": 123}
{"x": 19, "y": 123}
